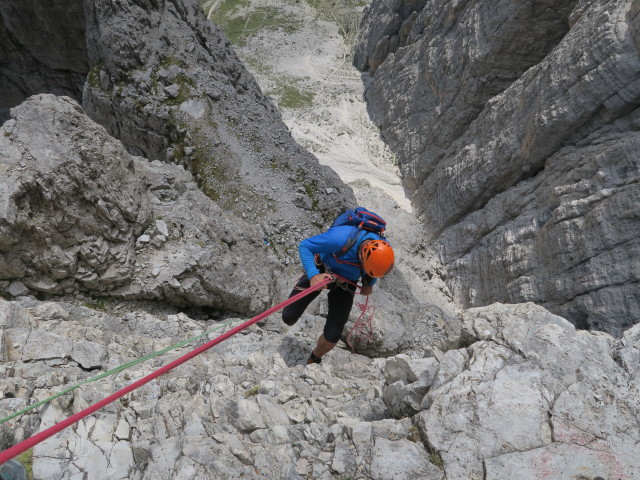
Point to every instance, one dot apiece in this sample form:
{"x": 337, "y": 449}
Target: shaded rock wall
{"x": 515, "y": 125}
{"x": 42, "y": 50}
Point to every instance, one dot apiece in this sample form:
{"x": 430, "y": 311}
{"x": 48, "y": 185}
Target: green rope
{"x": 115, "y": 370}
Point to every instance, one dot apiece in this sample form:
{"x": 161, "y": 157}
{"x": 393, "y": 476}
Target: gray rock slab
{"x": 401, "y": 459}
{"x": 519, "y": 148}
{"x": 558, "y": 462}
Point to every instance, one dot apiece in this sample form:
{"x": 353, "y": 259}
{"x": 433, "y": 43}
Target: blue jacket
{"x": 330, "y": 242}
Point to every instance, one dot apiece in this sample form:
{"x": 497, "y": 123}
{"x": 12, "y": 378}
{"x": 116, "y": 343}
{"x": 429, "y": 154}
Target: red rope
{"x": 360, "y": 325}
{"x": 34, "y": 440}
{"x": 364, "y": 320}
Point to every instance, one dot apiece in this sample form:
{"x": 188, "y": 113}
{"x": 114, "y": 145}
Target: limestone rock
{"x": 401, "y": 459}
{"x": 219, "y": 415}
{"x": 41, "y": 50}
{"x": 528, "y": 390}
{"x": 71, "y": 205}
{"x": 211, "y": 119}
{"x": 519, "y": 148}
{"x": 527, "y": 394}
{"x": 76, "y": 208}
{"x": 178, "y": 93}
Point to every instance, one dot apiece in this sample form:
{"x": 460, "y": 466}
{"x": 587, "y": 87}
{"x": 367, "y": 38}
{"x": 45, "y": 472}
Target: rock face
{"x": 42, "y": 49}
{"x": 530, "y": 395}
{"x": 165, "y": 81}
{"x": 183, "y": 187}
{"x": 79, "y": 214}
{"x": 71, "y": 203}
{"x": 248, "y": 409}
{"x": 519, "y": 147}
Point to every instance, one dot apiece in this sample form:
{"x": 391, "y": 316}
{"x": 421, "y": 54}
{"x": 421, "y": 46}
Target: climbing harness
{"x": 58, "y": 427}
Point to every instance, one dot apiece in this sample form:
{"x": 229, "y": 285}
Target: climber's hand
{"x": 316, "y": 279}
{"x": 366, "y": 290}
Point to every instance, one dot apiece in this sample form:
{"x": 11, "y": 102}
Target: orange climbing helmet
{"x": 377, "y": 258}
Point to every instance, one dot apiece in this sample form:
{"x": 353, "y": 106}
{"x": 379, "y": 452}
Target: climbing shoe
{"x": 313, "y": 359}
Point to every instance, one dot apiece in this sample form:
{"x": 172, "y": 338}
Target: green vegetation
{"x": 290, "y": 96}
{"x": 211, "y": 166}
{"x": 26, "y": 459}
{"x": 209, "y": 173}
{"x": 310, "y": 187}
{"x": 342, "y": 12}
{"x": 277, "y": 163}
{"x": 436, "y": 459}
{"x": 239, "y": 19}
{"x": 168, "y": 61}
{"x": 414, "y": 434}
{"x": 98, "y": 304}
{"x": 93, "y": 79}
{"x": 177, "y": 134}
{"x": 252, "y": 392}
{"x": 184, "y": 88}
{"x": 185, "y": 84}
{"x": 227, "y": 8}
{"x": 341, "y": 4}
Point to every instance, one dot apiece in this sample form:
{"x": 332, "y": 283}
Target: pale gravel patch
{"x": 336, "y": 127}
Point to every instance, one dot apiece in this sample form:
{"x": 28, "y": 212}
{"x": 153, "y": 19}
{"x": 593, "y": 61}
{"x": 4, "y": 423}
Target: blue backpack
{"x": 361, "y": 219}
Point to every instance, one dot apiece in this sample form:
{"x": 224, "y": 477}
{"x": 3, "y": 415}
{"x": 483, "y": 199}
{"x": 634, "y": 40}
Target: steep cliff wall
{"x": 515, "y": 124}
{"x": 42, "y": 50}
{"x": 164, "y": 81}
{"x": 167, "y": 83}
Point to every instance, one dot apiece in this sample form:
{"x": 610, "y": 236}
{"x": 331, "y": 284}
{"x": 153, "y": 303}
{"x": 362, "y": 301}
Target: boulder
{"x": 529, "y": 394}
{"x": 76, "y": 207}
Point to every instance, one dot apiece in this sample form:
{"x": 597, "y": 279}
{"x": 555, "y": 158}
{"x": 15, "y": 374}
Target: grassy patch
{"x": 26, "y": 459}
{"x": 94, "y": 75}
{"x": 229, "y": 8}
{"x": 310, "y": 187}
{"x": 239, "y": 19}
{"x": 168, "y": 61}
{"x": 341, "y": 12}
{"x": 184, "y": 89}
{"x": 212, "y": 167}
{"x": 414, "y": 434}
{"x": 291, "y": 96}
{"x": 277, "y": 163}
{"x": 99, "y": 304}
{"x": 209, "y": 173}
{"x": 436, "y": 459}
{"x": 252, "y": 392}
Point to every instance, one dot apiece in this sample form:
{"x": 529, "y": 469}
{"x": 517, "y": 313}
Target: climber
{"x": 370, "y": 257}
